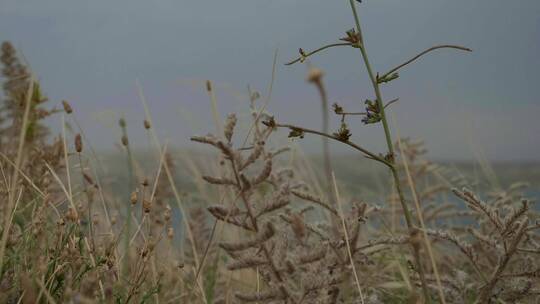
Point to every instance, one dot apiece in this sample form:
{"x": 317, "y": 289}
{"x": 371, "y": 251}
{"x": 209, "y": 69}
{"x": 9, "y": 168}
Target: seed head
{"x": 125, "y": 141}
{"x": 315, "y": 75}
{"x": 147, "y": 124}
{"x": 122, "y": 123}
{"x": 229, "y": 127}
{"x": 67, "y": 107}
{"x": 147, "y": 205}
{"x": 134, "y": 197}
{"x": 78, "y": 143}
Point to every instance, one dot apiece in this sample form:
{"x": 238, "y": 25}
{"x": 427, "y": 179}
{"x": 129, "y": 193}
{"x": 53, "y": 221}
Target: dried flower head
{"x": 67, "y": 107}
{"x": 229, "y": 126}
{"x": 125, "y": 141}
{"x": 315, "y": 75}
{"x": 343, "y": 134}
{"x": 134, "y": 197}
{"x": 78, "y": 143}
{"x": 147, "y": 124}
{"x": 147, "y": 205}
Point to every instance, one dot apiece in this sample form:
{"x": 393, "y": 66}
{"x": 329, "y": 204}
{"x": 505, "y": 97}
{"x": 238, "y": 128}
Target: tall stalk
{"x": 390, "y": 146}
{"x": 131, "y": 187}
{"x": 375, "y": 113}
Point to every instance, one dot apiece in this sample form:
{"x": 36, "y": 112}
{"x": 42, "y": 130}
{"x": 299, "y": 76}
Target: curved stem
{"x": 433, "y": 48}
{"x": 347, "y": 142}
{"x": 316, "y": 51}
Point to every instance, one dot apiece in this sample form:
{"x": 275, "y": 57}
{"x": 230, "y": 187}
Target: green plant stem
{"x": 390, "y": 145}
{"x": 299, "y": 59}
{"x": 128, "y": 203}
{"x": 364, "y": 151}
{"x": 433, "y": 48}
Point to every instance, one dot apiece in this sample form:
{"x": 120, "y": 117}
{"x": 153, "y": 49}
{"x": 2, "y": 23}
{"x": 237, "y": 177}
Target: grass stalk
{"x": 390, "y": 147}
{"x": 18, "y": 162}
{"x": 131, "y": 186}
{"x": 347, "y": 241}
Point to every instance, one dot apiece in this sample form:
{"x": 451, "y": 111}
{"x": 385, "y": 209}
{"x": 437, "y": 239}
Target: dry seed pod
{"x": 229, "y": 126}
{"x": 147, "y": 205}
{"x": 314, "y": 75}
{"x": 147, "y": 124}
{"x": 78, "y": 143}
{"x": 208, "y": 85}
{"x": 88, "y": 178}
{"x": 134, "y": 197}
{"x": 67, "y": 107}
{"x": 125, "y": 141}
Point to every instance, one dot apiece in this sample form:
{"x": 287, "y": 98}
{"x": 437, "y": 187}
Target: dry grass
{"x": 257, "y": 224}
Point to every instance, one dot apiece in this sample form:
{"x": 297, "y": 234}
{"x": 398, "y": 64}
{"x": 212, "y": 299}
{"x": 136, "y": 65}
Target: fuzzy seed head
{"x": 229, "y": 126}
{"x": 315, "y": 75}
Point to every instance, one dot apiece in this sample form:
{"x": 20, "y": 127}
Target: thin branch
{"x": 365, "y": 113}
{"x": 447, "y": 46}
{"x": 349, "y": 143}
{"x": 304, "y": 56}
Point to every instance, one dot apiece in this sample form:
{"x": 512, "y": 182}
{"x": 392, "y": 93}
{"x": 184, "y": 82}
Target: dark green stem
{"x": 390, "y": 145}
{"x": 303, "y": 57}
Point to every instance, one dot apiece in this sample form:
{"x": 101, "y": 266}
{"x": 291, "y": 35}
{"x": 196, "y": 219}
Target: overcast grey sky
{"x": 92, "y": 52}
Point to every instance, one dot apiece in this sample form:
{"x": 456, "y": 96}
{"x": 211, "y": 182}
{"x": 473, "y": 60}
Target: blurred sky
{"x": 92, "y": 52}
